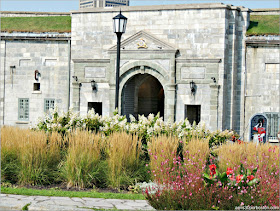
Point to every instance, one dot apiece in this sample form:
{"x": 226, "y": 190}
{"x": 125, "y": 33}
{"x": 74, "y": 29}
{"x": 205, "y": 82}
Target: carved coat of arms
{"x": 142, "y": 44}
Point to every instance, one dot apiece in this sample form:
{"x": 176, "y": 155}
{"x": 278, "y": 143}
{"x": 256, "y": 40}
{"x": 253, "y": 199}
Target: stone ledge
{"x": 22, "y": 122}
{"x": 27, "y": 14}
{"x": 198, "y": 60}
{"x": 35, "y": 36}
{"x": 91, "y": 60}
{"x": 159, "y": 7}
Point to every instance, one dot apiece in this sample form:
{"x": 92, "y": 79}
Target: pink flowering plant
{"x": 188, "y": 185}
{"x": 228, "y": 178}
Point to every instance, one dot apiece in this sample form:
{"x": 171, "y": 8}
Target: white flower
{"x": 132, "y": 118}
{"x": 150, "y": 130}
{"x": 151, "y": 117}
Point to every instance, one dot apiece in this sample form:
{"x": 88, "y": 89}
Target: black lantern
{"x": 37, "y": 74}
{"x": 119, "y": 23}
{"x": 93, "y": 85}
{"x": 119, "y": 28}
{"x": 192, "y": 85}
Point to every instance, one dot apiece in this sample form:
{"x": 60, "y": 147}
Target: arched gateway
{"x": 147, "y": 76}
{"x": 142, "y": 94}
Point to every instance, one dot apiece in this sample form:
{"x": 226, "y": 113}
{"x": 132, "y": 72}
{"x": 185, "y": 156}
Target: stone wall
{"x": 275, "y": 11}
{"x": 262, "y": 82}
{"x": 21, "y": 58}
{"x": 207, "y": 38}
{"x": 2, "y": 87}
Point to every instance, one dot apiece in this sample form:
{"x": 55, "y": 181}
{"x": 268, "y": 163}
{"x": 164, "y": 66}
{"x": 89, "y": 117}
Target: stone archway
{"x": 142, "y": 94}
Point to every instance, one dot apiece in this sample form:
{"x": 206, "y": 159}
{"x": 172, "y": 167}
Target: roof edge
{"x": 155, "y": 7}
{"x": 36, "y": 13}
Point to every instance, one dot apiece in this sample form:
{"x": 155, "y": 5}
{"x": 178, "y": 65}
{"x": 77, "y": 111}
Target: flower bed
{"x": 192, "y": 182}
{"x": 190, "y": 166}
{"x": 144, "y": 127}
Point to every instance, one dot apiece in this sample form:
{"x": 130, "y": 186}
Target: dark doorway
{"x": 143, "y": 94}
{"x": 192, "y": 113}
{"x": 97, "y": 106}
{"x": 150, "y": 97}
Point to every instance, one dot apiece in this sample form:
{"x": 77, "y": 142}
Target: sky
{"x": 72, "y": 5}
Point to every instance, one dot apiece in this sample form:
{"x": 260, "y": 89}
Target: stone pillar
{"x": 214, "y": 107}
{"x": 2, "y": 80}
{"x": 169, "y": 107}
{"x": 76, "y": 96}
{"x": 112, "y": 93}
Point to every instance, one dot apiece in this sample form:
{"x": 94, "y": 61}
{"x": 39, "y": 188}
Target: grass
{"x": 81, "y": 159}
{"x": 264, "y": 25}
{"x": 28, "y": 157}
{"x": 162, "y": 147}
{"x": 81, "y": 164}
{"x": 263, "y": 156}
{"x": 62, "y": 193}
{"x": 25, "y": 207}
{"x": 123, "y": 159}
{"x": 36, "y": 24}
{"x": 259, "y": 24}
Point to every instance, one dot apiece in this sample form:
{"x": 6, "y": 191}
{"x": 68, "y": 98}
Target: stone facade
{"x": 170, "y": 46}
{"x": 20, "y": 58}
{"x": 103, "y": 3}
{"x": 208, "y": 37}
{"x": 262, "y": 78}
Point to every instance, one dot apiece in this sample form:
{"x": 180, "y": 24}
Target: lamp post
{"x": 119, "y": 28}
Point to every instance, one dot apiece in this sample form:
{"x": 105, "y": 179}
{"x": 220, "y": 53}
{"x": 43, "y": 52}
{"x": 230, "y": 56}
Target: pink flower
{"x": 229, "y": 171}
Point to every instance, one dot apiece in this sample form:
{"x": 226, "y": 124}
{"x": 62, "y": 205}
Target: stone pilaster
{"x": 169, "y": 110}
{"x": 76, "y": 96}
{"x": 214, "y": 106}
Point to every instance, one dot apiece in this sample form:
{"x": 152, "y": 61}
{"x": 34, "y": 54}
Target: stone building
{"x": 103, "y": 3}
{"x": 164, "y": 50}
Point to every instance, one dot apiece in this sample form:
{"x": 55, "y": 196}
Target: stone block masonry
{"x": 21, "y": 58}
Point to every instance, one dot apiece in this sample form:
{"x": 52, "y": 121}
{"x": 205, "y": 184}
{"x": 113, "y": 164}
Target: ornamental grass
{"x": 161, "y": 149}
{"x": 250, "y": 154}
{"x": 123, "y": 153}
{"x": 80, "y": 168}
{"x": 198, "y": 151}
{"x": 31, "y": 155}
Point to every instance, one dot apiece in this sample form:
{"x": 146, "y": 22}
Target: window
{"x": 23, "y": 109}
{"x": 49, "y": 104}
{"x": 36, "y": 87}
{"x": 192, "y": 113}
{"x": 96, "y": 106}
{"x": 273, "y": 120}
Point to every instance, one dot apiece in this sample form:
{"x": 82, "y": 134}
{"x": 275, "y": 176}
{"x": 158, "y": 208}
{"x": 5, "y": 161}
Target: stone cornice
{"x": 34, "y": 13}
{"x": 91, "y": 60}
{"x": 158, "y": 8}
{"x": 35, "y": 36}
{"x": 198, "y": 60}
{"x": 263, "y": 40}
